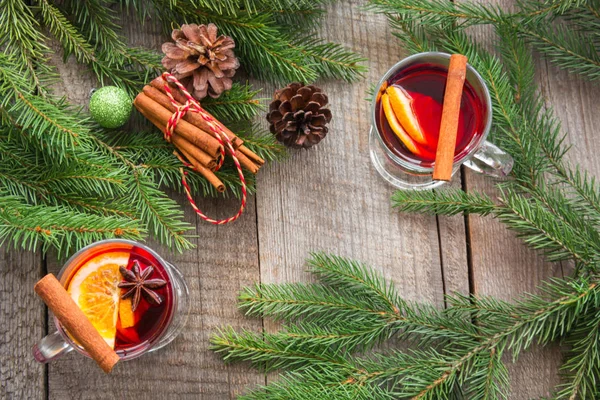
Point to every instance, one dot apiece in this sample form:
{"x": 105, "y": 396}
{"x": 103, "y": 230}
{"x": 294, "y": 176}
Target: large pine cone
{"x": 298, "y": 117}
{"x": 203, "y": 62}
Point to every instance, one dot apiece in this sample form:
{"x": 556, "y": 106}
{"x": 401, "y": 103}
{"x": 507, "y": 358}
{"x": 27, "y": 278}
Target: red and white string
{"x": 192, "y": 105}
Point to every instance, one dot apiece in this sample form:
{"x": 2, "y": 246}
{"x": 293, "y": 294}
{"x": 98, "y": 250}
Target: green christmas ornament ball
{"x": 110, "y": 106}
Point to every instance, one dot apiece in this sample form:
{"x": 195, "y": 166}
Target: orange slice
{"x": 126, "y": 313}
{"x": 396, "y": 127}
{"x": 402, "y": 106}
{"x": 381, "y": 91}
{"x": 94, "y": 288}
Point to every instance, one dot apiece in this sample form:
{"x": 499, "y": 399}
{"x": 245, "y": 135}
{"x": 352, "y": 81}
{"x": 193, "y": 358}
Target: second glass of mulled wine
{"x": 137, "y": 301}
{"x": 406, "y": 116}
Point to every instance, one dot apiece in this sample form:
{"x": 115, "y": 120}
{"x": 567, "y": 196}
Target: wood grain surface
{"x": 328, "y": 198}
{"x": 22, "y": 324}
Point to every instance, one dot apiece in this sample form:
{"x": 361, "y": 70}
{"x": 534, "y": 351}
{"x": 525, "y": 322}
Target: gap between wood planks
{"x": 262, "y": 319}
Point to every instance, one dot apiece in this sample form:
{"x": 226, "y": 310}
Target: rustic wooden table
{"x": 329, "y": 198}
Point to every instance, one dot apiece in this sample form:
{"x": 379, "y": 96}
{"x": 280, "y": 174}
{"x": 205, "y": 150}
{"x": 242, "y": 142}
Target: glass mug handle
{"x": 50, "y": 348}
{"x": 491, "y": 160}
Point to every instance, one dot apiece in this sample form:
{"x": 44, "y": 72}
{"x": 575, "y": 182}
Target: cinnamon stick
{"x": 444, "y": 157}
{"x": 159, "y": 83}
{"x": 179, "y": 142}
{"x": 246, "y": 162}
{"x": 196, "y": 136}
{"x": 191, "y": 117}
{"x": 75, "y": 322}
{"x": 203, "y": 158}
{"x": 208, "y": 174}
{"x": 251, "y": 155}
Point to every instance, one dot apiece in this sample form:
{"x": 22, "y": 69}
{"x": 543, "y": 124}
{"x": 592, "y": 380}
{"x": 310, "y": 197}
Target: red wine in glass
{"x": 423, "y": 85}
{"x": 149, "y": 319}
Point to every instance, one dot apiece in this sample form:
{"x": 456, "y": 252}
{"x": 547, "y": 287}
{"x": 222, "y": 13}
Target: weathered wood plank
{"x": 330, "y": 198}
{"x": 22, "y": 324}
{"x": 225, "y": 261}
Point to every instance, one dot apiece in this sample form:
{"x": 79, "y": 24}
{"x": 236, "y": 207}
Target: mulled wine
{"x": 125, "y": 292}
{"x": 408, "y": 113}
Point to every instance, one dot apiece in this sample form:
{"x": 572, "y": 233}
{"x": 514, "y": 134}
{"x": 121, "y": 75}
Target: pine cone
{"x": 203, "y": 62}
{"x": 297, "y": 115}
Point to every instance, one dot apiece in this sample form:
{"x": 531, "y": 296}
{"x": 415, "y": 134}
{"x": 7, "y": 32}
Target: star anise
{"x": 136, "y": 280}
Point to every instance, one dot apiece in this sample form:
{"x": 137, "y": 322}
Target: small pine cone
{"x": 202, "y": 62}
{"x": 297, "y": 115}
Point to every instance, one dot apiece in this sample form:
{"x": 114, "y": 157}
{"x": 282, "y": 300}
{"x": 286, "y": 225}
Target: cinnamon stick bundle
{"x": 158, "y": 85}
{"x": 192, "y": 136}
{"x": 191, "y": 133}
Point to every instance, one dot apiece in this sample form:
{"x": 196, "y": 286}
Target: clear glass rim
{"x": 135, "y": 351}
{"x": 471, "y": 148}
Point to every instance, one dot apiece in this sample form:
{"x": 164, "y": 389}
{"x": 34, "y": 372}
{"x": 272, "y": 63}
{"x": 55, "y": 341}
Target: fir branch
{"x": 411, "y": 35}
{"x": 69, "y": 37}
{"x": 318, "y": 384}
{"x": 582, "y": 367}
{"x": 443, "y": 202}
{"x": 270, "y": 351}
{"x": 548, "y": 8}
{"x": 264, "y": 49}
{"x": 306, "y": 16}
{"x": 30, "y": 227}
{"x": 346, "y": 321}
{"x": 51, "y": 124}
{"x": 291, "y": 302}
{"x": 566, "y": 48}
{"x": 345, "y": 274}
{"x": 161, "y": 214}
{"x": 237, "y": 104}
{"x": 585, "y": 19}
{"x": 330, "y": 60}
{"x": 491, "y": 381}
{"x": 255, "y": 6}
{"x": 127, "y": 67}
{"x": 518, "y": 63}
{"x": 20, "y": 37}
{"x": 97, "y": 23}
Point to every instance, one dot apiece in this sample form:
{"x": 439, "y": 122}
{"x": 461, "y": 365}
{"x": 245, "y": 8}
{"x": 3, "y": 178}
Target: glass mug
{"x": 479, "y": 154}
{"x": 58, "y": 343}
